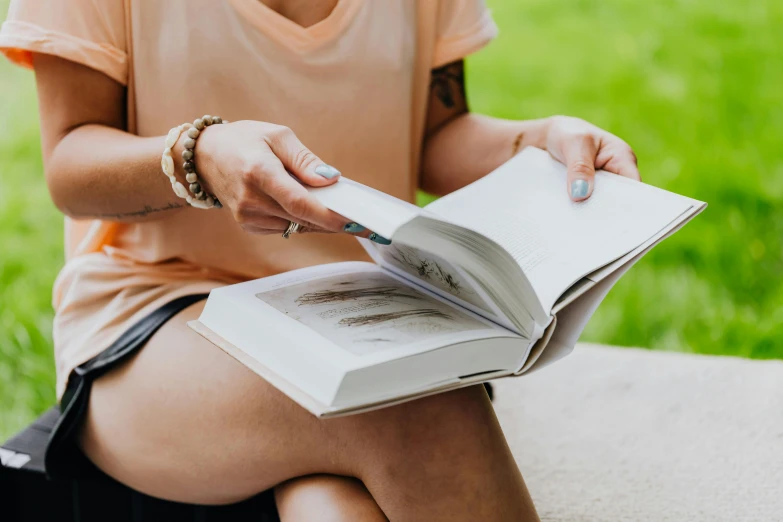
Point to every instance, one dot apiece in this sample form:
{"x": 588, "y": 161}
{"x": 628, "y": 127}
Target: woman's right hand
{"x": 253, "y": 167}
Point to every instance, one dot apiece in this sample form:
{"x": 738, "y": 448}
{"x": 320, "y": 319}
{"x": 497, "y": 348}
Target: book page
{"x": 573, "y": 318}
{"x": 385, "y": 215}
{"x": 437, "y": 275}
{"x": 524, "y": 206}
{"x": 375, "y": 210}
{"x": 372, "y": 315}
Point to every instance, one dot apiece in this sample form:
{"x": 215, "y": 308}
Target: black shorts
{"x": 64, "y": 459}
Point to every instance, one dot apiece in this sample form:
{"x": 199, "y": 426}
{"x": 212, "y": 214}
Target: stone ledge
{"x": 623, "y": 434}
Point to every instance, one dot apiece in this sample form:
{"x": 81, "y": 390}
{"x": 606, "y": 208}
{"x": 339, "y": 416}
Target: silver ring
{"x": 293, "y": 228}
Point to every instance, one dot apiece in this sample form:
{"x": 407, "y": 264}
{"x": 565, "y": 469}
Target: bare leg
{"x": 184, "y": 421}
{"x": 326, "y": 498}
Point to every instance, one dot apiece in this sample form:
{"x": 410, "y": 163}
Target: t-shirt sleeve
{"x": 88, "y": 32}
{"x": 464, "y": 27}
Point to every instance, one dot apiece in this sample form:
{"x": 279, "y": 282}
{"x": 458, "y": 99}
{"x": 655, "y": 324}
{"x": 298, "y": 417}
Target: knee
{"x": 459, "y": 411}
{"x": 448, "y": 425}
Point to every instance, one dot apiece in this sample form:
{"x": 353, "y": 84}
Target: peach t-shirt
{"x": 353, "y": 87}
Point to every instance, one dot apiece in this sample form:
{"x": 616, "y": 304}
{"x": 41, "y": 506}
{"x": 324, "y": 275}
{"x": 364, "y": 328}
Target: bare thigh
{"x": 184, "y": 421}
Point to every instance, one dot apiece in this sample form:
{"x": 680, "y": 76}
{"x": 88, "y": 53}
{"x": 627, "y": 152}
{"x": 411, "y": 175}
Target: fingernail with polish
{"x": 379, "y": 239}
{"x": 327, "y": 171}
{"x": 353, "y": 228}
{"x": 579, "y": 188}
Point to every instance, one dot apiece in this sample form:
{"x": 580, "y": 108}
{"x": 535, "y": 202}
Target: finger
{"x": 265, "y": 224}
{"x": 299, "y": 160}
{"x": 579, "y": 156}
{"x": 270, "y": 223}
{"x": 262, "y": 221}
{"x": 279, "y": 231}
{"x": 296, "y": 201}
{"x": 358, "y": 230}
{"x": 261, "y": 212}
{"x": 283, "y": 197}
{"x": 304, "y": 208}
{"x": 260, "y": 231}
{"x": 254, "y": 208}
{"x": 273, "y": 208}
{"x": 260, "y": 206}
{"x": 621, "y": 163}
{"x": 313, "y": 230}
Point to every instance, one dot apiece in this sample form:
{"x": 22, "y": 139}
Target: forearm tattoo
{"x": 147, "y": 210}
{"x": 448, "y": 84}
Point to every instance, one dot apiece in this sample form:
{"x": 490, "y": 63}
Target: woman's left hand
{"x": 583, "y": 148}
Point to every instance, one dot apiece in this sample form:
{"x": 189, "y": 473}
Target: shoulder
{"x": 463, "y": 27}
{"x": 89, "y": 32}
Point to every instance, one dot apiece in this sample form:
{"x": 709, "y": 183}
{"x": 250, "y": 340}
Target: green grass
{"x": 693, "y": 85}
{"x": 31, "y": 249}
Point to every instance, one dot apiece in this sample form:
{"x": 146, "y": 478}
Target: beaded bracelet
{"x": 199, "y": 199}
{"x": 189, "y": 161}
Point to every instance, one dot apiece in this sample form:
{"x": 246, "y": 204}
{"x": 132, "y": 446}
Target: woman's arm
{"x": 94, "y": 169}
{"x": 461, "y": 147}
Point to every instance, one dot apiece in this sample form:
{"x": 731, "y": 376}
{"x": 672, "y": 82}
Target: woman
{"x": 374, "y": 88}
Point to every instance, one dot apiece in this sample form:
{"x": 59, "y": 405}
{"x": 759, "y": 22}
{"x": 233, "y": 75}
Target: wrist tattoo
{"x": 147, "y": 210}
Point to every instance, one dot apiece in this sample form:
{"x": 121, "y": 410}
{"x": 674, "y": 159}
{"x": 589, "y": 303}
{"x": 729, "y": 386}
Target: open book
{"x": 494, "y": 280}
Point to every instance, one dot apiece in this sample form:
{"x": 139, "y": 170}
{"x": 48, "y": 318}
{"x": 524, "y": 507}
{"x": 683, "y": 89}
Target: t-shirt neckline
{"x": 292, "y": 35}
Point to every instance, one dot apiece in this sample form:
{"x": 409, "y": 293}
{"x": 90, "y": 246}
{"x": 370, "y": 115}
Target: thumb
{"x": 300, "y": 161}
{"x": 579, "y": 157}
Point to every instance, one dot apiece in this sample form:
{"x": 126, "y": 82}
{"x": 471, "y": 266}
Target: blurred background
{"x": 695, "y": 86}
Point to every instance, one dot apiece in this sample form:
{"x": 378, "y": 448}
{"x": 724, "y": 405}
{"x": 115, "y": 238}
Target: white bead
{"x": 167, "y": 163}
{"x": 199, "y": 204}
{"x": 172, "y": 137}
{"x": 179, "y": 189}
